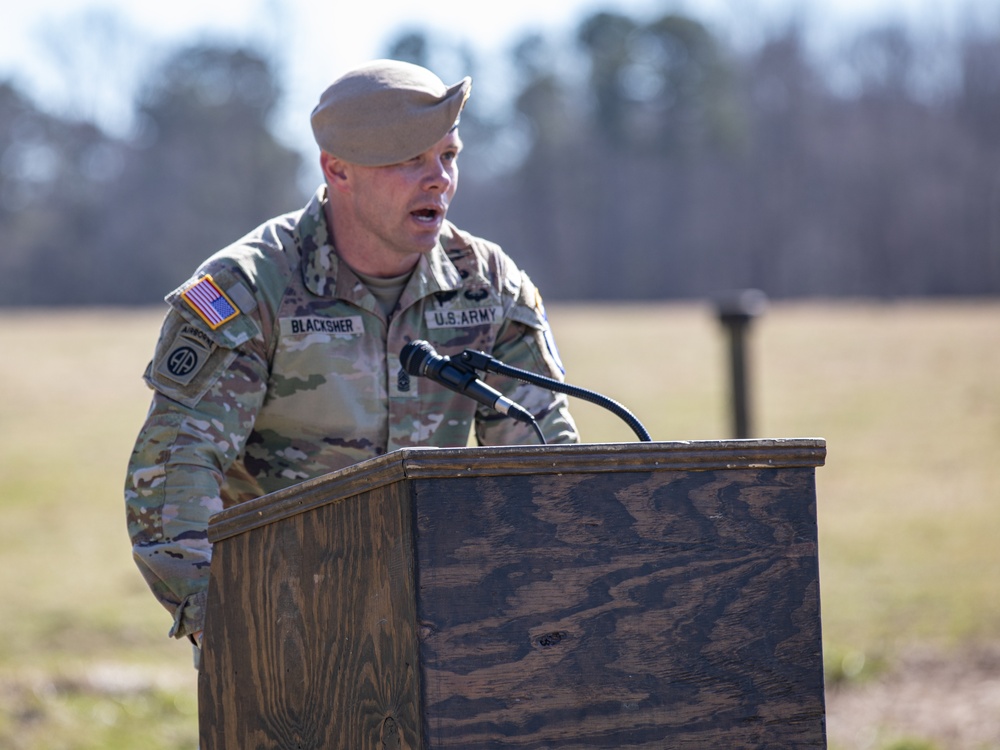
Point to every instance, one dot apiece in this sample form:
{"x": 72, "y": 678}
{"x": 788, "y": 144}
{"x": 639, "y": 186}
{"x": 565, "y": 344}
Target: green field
{"x": 906, "y": 395}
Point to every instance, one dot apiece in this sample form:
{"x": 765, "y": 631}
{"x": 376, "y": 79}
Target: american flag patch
{"x": 210, "y": 302}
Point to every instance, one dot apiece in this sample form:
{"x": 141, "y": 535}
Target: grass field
{"x": 907, "y": 396}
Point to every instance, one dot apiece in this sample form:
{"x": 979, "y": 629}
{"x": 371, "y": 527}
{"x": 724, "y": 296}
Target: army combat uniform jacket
{"x": 275, "y": 364}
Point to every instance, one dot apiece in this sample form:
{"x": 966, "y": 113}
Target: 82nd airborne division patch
{"x": 186, "y": 355}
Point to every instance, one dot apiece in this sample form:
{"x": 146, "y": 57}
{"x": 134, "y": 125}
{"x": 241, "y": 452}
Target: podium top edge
{"x": 691, "y": 455}
{"x": 777, "y": 446}
{"x": 431, "y": 463}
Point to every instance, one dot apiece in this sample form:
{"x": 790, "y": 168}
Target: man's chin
{"x": 427, "y": 242}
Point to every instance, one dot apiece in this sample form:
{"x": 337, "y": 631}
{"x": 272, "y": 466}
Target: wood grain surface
{"x": 643, "y": 610}
{"x": 631, "y": 596}
{"x": 310, "y": 640}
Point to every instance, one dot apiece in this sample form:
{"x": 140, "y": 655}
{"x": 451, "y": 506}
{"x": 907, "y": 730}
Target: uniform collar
{"x": 324, "y": 277}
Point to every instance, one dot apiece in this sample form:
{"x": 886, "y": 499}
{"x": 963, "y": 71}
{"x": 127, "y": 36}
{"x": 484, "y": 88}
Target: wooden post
{"x": 736, "y": 312}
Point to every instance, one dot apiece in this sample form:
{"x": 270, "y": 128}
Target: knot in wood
{"x": 390, "y": 734}
{"x": 547, "y": 640}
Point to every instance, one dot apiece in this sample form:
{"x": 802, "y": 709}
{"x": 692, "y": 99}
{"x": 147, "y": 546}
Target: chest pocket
{"x": 327, "y": 375}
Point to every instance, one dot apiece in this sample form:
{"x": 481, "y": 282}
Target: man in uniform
{"x": 278, "y": 361}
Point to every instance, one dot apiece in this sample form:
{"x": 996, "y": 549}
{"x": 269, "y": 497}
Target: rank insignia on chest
{"x": 210, "y": 302}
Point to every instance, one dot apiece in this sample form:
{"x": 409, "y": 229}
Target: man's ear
{"x": 334, "y": 170}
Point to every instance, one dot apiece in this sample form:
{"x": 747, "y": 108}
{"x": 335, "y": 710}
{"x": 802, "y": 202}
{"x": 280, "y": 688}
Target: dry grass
{"x": 907, "y": 396}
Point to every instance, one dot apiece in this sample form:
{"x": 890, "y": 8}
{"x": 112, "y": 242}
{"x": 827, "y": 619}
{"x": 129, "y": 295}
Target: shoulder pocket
{"x": 529, "y": 311}
{"x": 208, "y": 320}
{"x": 527, "y": 308}
{"x": 187, "y": 361}
{"x": 219, "y": 304}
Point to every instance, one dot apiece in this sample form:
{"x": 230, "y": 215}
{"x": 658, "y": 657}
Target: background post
{"x": 736, "y": 310}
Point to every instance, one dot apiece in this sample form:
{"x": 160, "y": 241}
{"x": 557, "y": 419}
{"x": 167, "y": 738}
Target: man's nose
{"x": 437, "y": 176}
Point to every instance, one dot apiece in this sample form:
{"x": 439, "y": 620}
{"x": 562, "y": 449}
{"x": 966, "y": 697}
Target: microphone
{"x": 419, "y": 358}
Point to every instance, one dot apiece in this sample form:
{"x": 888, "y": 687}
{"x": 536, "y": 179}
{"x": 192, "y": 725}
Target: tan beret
{"x": 386, "y": 112}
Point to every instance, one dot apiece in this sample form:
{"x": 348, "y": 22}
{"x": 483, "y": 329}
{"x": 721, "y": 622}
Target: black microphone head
{"x": 415, "y": 355}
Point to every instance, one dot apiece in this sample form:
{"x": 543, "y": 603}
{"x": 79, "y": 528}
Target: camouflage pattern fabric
{"x": 275, "y": 364}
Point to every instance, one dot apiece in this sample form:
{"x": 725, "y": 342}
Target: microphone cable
{"x": 486, "y": 363}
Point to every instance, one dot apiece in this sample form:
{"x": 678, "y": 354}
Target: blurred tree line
{"x": 650, "y": 160}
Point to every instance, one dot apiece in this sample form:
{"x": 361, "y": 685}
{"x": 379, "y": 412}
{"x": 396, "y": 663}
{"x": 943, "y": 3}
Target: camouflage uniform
{"x": 275, "y": 364}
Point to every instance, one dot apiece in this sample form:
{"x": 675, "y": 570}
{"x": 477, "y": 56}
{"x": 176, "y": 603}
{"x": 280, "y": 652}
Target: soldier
{"x": 278, "y": 361}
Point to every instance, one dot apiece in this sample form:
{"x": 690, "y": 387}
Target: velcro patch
{"x": 210, "y": 302}
{"x": 186, "y": 356}
{"x": 350, "y": 325}
{"x": 464, "y": 318}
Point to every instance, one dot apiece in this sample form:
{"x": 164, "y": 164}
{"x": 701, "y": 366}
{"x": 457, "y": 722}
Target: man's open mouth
{"x": 428, "y": 215}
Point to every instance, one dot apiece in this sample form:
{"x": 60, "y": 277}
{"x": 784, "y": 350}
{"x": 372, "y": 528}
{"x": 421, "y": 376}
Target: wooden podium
{"x": 639, "y": 595}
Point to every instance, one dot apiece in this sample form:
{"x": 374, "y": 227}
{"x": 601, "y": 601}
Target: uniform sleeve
{"x": 207, "y": 391}
{"x": 525, "y": 341}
